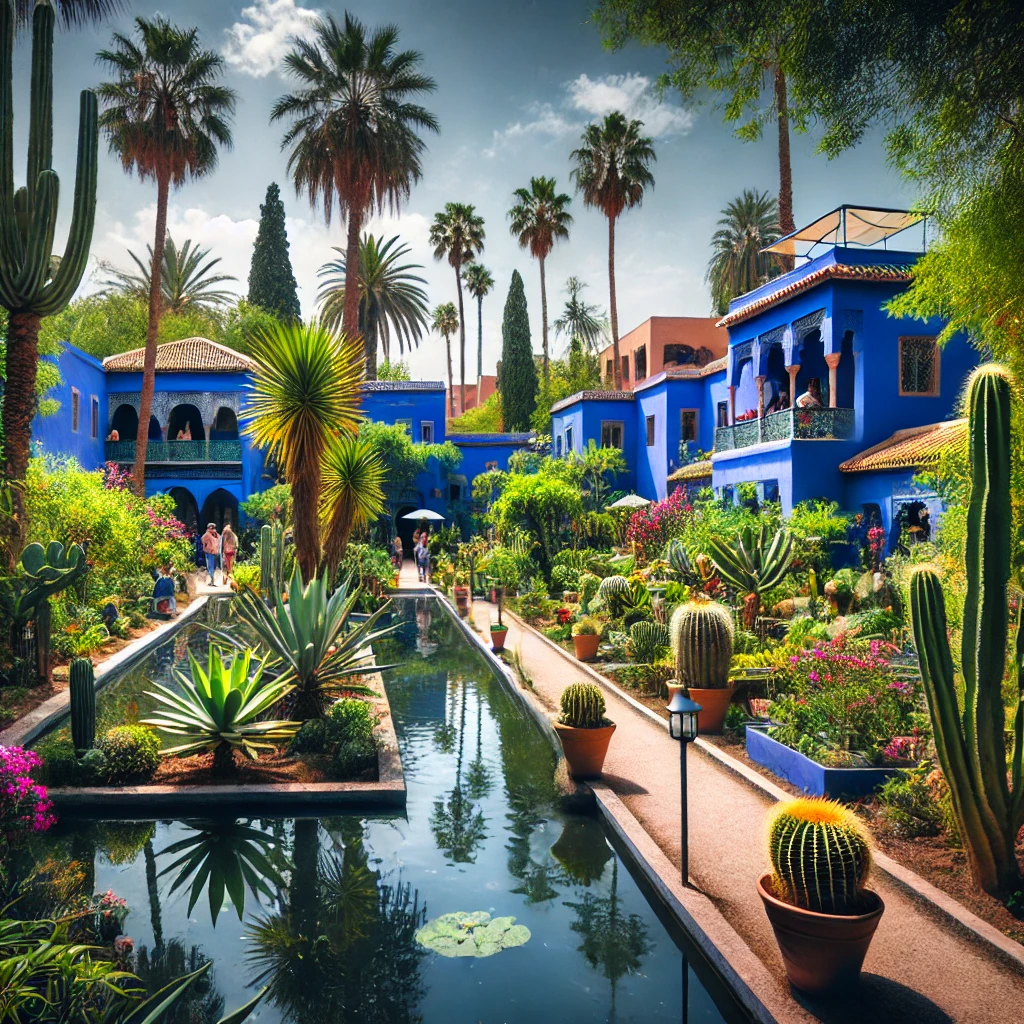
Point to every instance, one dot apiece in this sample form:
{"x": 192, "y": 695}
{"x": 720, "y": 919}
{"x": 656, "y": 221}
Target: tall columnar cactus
{"x": 83, "y": 704}
{"x": 971, "y": 743}
{"x": 820, "y": 856}
{"x": 271, "y": 560}
{"x": 583, "y": 706}
{"x": 32, "y": 283}
{"x": 701, "y": 636}
{"x": 753, "y": 563}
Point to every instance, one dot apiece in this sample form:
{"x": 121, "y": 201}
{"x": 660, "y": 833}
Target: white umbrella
{"x": 424, "y": 513}
{"x": 630, "y": 501}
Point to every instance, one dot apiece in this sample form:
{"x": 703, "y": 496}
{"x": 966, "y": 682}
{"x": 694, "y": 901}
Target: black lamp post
{"x": 682, "y": 726}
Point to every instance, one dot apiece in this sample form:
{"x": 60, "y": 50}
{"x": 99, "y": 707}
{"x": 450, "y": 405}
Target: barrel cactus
{"x": 612, "y": 592}
{"x": 987, "y": 793}
{"x": 820, "y": 856}
{"x": 83, "y": 704}
{"x": 648, "y": 639}
{"x": 583, "y": 707}
{"x": 701, "y": 637}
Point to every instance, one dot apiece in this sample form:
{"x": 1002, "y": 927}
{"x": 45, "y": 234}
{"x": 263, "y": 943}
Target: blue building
{"x": 816, "y": 372}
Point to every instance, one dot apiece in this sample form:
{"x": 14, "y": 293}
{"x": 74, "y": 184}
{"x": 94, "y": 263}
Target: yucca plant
{"x": 753, "y": 563}
{"x": 310, "y": 640}
{"x": 219, "y": 709}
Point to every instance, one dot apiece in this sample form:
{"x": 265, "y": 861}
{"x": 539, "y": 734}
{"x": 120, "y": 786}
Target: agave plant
{"x": 753, "y": 563}
{"x": 310, "y": 640}
{"x": 219, "y": 709}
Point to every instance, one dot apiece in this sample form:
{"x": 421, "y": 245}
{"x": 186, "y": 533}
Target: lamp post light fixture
{"x": 683, "y": 726}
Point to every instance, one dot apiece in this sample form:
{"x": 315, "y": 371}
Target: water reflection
{"x": 202, "y": 1003}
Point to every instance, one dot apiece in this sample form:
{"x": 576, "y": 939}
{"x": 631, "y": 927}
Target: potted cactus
{"x": 701, "y": 636}
{"x": 586, "y": 635}
{"x": 822, "y": 915}
{"x": 583, "y": 729}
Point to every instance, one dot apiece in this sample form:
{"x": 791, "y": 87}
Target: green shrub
{"x": 564, "y": 577}
{"x": 60, "y": 766}
{"x": 311, "y": 738}
{"x": 908, "y": 804}
{"x": 806, "y": 632}
{"x": 132, "y": 753}
{"x": 350, "y": 719}
{"x": 247, "y": 576}
{"x": 875, "y": 622}
{"x": 354, "y": 759}
{"x": 558, "y": 633}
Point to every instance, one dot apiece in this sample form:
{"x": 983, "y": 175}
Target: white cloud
{"x": 257, "y": 44}
{"x": 632, "y": 93}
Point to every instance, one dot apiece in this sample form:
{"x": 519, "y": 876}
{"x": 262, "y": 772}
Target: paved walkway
{"x": 918, "y": 969}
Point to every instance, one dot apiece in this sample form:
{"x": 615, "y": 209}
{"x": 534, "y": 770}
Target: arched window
{"x": 185, "y": 419}
{"x": 225, "y": 425}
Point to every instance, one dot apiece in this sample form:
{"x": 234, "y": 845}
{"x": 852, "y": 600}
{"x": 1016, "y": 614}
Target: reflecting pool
{"x": 327, "y": 911}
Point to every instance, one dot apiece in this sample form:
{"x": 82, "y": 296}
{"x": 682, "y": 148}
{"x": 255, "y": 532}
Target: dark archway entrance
{"x": 185, "y": 508}
{"x": 219, "y": 508}
{"x": 182, "y": 417}
{"x": 126, "y": 422}
{"x": 155, "y": 433}
{"x": 404, "y": 528}
{"x": 225, "y": 425}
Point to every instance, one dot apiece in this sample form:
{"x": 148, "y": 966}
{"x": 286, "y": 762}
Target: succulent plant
{"x": 820, "y": 855}
{"x": 83, "y": 704}
{"x": 971, "y": 743}
{"x": 583, "y": 707}
{"x": 647, "y": 640}
{"x": 612, "y": 592}
{"x": 271, "y": 560}
{"x": 45, "y": 572}
{"x": 701, "y": 637}
{"x": 753, "y": 563}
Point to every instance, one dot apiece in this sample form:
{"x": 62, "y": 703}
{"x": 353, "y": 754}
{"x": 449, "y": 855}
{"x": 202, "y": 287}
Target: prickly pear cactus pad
{"x": 473, "y": 934}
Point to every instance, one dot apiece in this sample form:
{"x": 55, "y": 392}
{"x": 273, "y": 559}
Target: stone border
{"x": 933, "y": 900}
{"x": 41, "y": 719}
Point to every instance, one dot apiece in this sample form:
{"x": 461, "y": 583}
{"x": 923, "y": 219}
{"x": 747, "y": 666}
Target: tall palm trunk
{"x": 786, "y": 222}
{"x": 305, "y": 521}
{"x": 350, "y": 311}
{"x": 462, "y": 338}
{"x": 479, "y": 344}
{"x": 154, "y": 897}
{"x": 152, "y": 329}
{"x": 544, "y": 318}
{"x": 613, "y": 310}
{"x": 451, "y": 386}
{"x": 19, "y": 406}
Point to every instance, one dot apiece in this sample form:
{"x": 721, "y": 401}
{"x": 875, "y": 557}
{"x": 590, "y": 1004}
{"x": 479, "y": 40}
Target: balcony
{"x": 176, "y": 451}
{"x": 790, "y": 424}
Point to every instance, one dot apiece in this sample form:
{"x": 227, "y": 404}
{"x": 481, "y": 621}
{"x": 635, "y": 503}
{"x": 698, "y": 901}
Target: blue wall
{"x": 585, "y": 416}
{"x": 54, "y": 433}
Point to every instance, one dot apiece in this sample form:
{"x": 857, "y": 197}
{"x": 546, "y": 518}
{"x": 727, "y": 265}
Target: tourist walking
{"x": 211, "y": 548}
{"x": 422, "y": 554}
{"x": 397, "y": 554}
{"x": 228, "y": 547}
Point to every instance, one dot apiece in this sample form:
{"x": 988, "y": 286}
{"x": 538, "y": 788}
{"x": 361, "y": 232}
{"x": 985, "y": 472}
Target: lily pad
{"x": 474, "y": 934}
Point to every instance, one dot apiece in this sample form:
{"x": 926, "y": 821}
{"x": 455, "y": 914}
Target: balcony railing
{"x": 176, "y": 451}
{"x": 798, "y": 424}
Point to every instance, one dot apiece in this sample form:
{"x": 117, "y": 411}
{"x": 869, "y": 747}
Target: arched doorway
{"x": 185, "y": 508}
{"x": 182, "y": 417}
{"x": 155, "y": 433}
{"x": 126, "y": 422}
{"x": 219, "y": 508}
{"x": 225, "y": 425}
{"x": 404, "y": 528}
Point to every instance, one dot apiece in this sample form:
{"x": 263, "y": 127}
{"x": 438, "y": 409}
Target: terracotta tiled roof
{"x": 604, "y": 396}
{"x": 187, "y": 354}
{"x": 883, "y": 272}
{"x": 908, "y": 449}
{"x": 692, "y": 471}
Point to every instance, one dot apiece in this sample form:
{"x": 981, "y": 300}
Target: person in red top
{"x": 211, "y": 548}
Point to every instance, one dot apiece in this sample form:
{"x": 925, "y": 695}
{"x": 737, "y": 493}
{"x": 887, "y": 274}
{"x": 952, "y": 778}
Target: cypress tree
{"x": 271, "y": 281}
{"x": 518, "y": 369}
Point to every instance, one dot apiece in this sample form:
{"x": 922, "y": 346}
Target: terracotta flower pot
{"x": 498, "y": 638}
{"x": 586, "y": 645}
{"x": 714, "y": 704}
{"x": 822, "y": 952}
{"x": 585, "y": 749}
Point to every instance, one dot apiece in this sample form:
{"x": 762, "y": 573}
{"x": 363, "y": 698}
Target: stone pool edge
{"x": 42, "y": 718}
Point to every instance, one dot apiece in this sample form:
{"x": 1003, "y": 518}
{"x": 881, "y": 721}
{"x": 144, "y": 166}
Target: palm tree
{"x": 458, "y": 234}
{"x": 353, "y": 132}
{"x": 165, "y": 115}
{"x": 306, "y": 387}
{"x": 185, "y": 282}
{"x": 352, "y": 495}
{"x": 749, "y": 223}
{"x": 390, "y": 297}
{"x": 539, "y": 218}
{"x": 74, "y": 13}
{"x": 581, "y": 321}
{"x": 612, "y": 171}
{"x": 446, "y": 322}
{"x": 479, "y": 282}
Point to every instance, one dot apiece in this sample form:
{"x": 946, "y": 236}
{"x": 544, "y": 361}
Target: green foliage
{"x": 518, "y": 383}
{"x": 564, "y": 578}
{"x": 586, "y": 627}
{"x": 753, "y": 563}
{"x": 648, "y": 640}
{"x": 579, "y": 371}
{"x": 221, "y": 708}
{"x": 240, "y": 327}
{"x": 583, "y": 707}
{"x": 971, "y": 743}
{"x": 701, "y": 636}
{"x": 806, "y": 632}
{"x": 274, "y": 505}
{"x": 404, "y": 458}
{"x": 397, "y": 370}
{"x": 82, "y": 692}
{"x": 484, "y": 419}
{"x": 45, "y": 572}
{"x": 475, "y": 934}
{"x": 820, "y": 856}
{"x": 908, "y": 804}
{"x": 132, "y": 753}
{"x": 271, "y": 282}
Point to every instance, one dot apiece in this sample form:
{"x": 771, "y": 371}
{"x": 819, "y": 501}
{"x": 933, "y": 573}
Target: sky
{"x": 516, "y": 83}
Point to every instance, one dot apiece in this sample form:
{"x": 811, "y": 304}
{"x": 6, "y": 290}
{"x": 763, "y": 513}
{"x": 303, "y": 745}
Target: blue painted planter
{"x": 809, "y": 776}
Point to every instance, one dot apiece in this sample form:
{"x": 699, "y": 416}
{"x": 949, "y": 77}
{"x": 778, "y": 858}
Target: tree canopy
{"x": 271, "y": 280}
{"x": 518, "y": 383}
